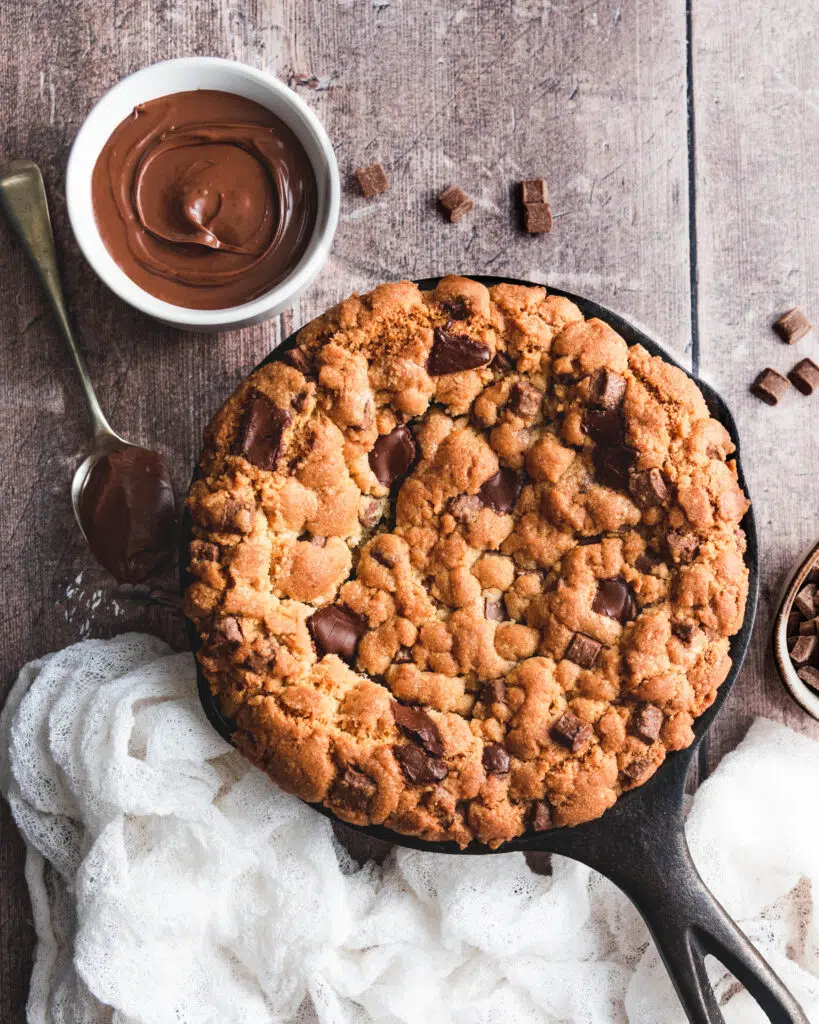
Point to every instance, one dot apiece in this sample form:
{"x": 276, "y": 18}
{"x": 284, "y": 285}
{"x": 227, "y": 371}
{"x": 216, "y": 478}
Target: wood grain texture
{"x": 756, "y": 95}
{"x": 591, "y": 95}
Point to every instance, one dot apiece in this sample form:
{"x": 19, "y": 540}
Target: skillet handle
{"x": 687, "y": 923}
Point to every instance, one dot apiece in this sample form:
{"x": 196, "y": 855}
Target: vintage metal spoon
{"x": 23, "y": 199}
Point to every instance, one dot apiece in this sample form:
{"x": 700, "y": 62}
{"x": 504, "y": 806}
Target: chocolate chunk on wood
{"x": 770, "y": 386}
{"x": 541, "y": 817}
{"x": 534, "y": 190}
{"x": 583, "y": 650}
{"x": 805, "y": 376}
{"x": 455, "y": 202}
{"x": 571, "y": 731}
{"x": 454, "y": 352}
{"x": 803, "y": 650}
{"x": 612, "y": 465}
{"x": 298, "y": 359}
{"x": 500, "y": 492}
{"x": 353, "y": 789}
{"x": 336, "y": 630}
{"x": 614, "y": 599}
{"x": 805, "y": 601}
{"x": 261, "y": 431}
{"x": 606, "y": 388}
{"x": 495, "y": 611}
{"x": 494, "y": 692}
{"x": 419, "y": 768}
{"x": 605, "y": 426}
{"x": 392, "y": 455}
{"x": 525, "y": 401}
{"x": 792, "y": 326}
{"x": 537, "y": 218}
{"x": 647, "y": 487}
{"x": 647, "y": 722}
{"x": 372, "y": 180}
{"x": 810, "y": 676}
{"x": 495, "y": 759}
{"x": 418, "y": 725}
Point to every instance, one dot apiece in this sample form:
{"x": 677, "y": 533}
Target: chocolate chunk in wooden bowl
{"x": 454, "y": 352}
{"x": 261, "y": 431}
{"x": 392, "y": 455}
{"x": 809, "y": 675}
{"x": 770, "y": 386}
{"x": 805, "y": 376}
{"x": 336, "y": 630}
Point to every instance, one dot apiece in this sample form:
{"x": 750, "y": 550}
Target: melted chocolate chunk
{"x": 683, "y": 631}
{"x": 605, "y": 426}
{"x": 542, "y": 817}
{"x": 606, "y": 389}
{"x": 495, "y": 611}
{"x": 495, "y": 759}
{"x": 403, "y": 656}
{"x": 418, "y": 725}
{"x": 614, "y": 599}
{"x": 261, "y": 431}
{"x": 612, "y": 465}
{"x": 419, "y": 767}
{"x": 454, "y": 352}
{"x": 336, "y": 630}
{"x": 583, "y": 650}
{"x": 502, "y": 363}
{"x": 392, "y": 455}
{"x": 494, "y": 692}
{"x": 353, "y": 789}
{"x": 571, "y": 732}
{"x": 297, "y": 358}
{"x": 647, "y": 722}
{"x": 456, "y": 309}
{"x": 646, "y": 562}
{"x": 500, "y": 492}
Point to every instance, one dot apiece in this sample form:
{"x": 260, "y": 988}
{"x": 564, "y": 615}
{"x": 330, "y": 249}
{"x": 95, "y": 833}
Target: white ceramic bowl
{"x": 180, "y": 76}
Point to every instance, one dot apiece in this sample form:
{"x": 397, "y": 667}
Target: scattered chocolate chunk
{"x": 770, "y": 386}
{"x": 201, "y": 551}
{"x": 605, "y": 426}
{"x": 537, "y": 218}
{"x": 494, "y": 692}
{"x": 803, "y": 650}
{"x": 372, "y": 180}
{"x": 456, "y": 309}
{"x": 226, "y": 631}
{"x": 500, "y": 492}
{"x": 541, "y": 817}
{"x": 805, "y": 376}
{"x": 353, "y": 789}
{"x": 614, "y": 599}
{"x": 639, "y": 769}
{"x": 392, "y": 455}
{"x": 502, "y": 363}
{"x": 525, "y": 401}
{"x": 809, "y": 675}
{"x": 534, "y": 190}
{"x": 792, "y": 326}
{"x": 571, "y": 731}
{"x": 495, "y": 611}
{"x": 683, "y": 631}
{"x": 297, "y": 358}
{"x": 607, "y": 388}
{"x": 612, "y": 465}
{"x": 495, "y": 759}
{"x": 647, "y": 722}
{"x": 465, "y": 507}
{"x": 261, "y": 431}
{"x": 805, "y": 601}
{"x": 418, "y": 725}
{"x": 455, "y": 202}
{"x": 647, "y": 487}
{"x": 583, "y": 650}
{"x": 683, "y": 547}
{"x": 403, "y": 656}
{"x": 454, "y": 352}
{"x": 419, "y": 767}
{"x": 336, "y": 630}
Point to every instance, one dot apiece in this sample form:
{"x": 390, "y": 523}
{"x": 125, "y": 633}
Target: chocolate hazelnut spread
{"x": 128, "y": 513}
{"x": 205, "y": 199}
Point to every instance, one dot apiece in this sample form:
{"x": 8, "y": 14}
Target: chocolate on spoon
{"x": 122, "y": 493}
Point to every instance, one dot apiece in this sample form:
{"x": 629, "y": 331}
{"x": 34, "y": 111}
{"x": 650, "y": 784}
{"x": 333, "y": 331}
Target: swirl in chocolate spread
{"x": 205, "y": 199}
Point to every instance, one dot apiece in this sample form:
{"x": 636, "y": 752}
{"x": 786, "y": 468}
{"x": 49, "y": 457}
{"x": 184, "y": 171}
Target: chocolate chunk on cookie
{"x": 648, "y": 722}
{"x": 614, "y": 599}
{"x": 494, "y": 692}
{"x": 583, "y": 650}
{"x": 353, "y": 789}
{"x": 336, "y": 630}
{"x": 261, "y": 431}
{"x": 452, "y": 353}
{"x": 648, "y": 488}
{"x": 500, "y": 492}
{"x": 419, "y": 767}
{"x": 571, "y": 732}
{"x": 298, "y": 359}
{"x": 605, "y": 426}
{"x": 392, "y": 455}
{"x": 496, "y": 759}
{"x": 495, "y": 610}
{"x": 541, "y": 816}
{"x": 524, "y": 401}
{"x": 607, "y": 389}
{"x": 418, "y": 725}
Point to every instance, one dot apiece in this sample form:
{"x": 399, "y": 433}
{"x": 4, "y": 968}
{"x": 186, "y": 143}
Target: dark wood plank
{"x": 591, "y": 96}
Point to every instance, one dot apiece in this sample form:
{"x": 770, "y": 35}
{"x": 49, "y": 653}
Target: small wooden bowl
{"x": 804, "y": 695}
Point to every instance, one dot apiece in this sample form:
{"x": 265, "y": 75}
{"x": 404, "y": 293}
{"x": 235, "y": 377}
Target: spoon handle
{"x": 23, "y": 198}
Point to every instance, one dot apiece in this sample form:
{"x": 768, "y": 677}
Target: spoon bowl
{"x": 804, "y": 695}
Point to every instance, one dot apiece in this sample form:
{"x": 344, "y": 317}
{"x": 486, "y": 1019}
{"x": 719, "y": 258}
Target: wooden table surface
{"x": 680, "y": 144}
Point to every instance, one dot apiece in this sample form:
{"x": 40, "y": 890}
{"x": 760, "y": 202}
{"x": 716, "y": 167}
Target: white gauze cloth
{"x": 176, "y": 884}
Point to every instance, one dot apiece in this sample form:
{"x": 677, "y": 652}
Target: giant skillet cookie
{"x": 464, "y": 563}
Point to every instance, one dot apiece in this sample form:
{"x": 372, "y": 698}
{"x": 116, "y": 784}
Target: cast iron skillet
{"x": 639, "y": 843}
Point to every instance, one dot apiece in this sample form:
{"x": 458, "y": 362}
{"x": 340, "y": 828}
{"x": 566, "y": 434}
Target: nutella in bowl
{"x": 204, "y": 198}
{"x": 204, "y": 193}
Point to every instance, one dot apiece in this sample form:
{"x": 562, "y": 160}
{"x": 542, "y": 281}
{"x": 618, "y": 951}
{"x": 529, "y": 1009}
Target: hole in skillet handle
{"x": 667, "y": 777}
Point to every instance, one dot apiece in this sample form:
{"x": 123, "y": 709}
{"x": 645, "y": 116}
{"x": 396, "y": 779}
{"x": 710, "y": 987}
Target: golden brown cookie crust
{"x": 525, "y": 620}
